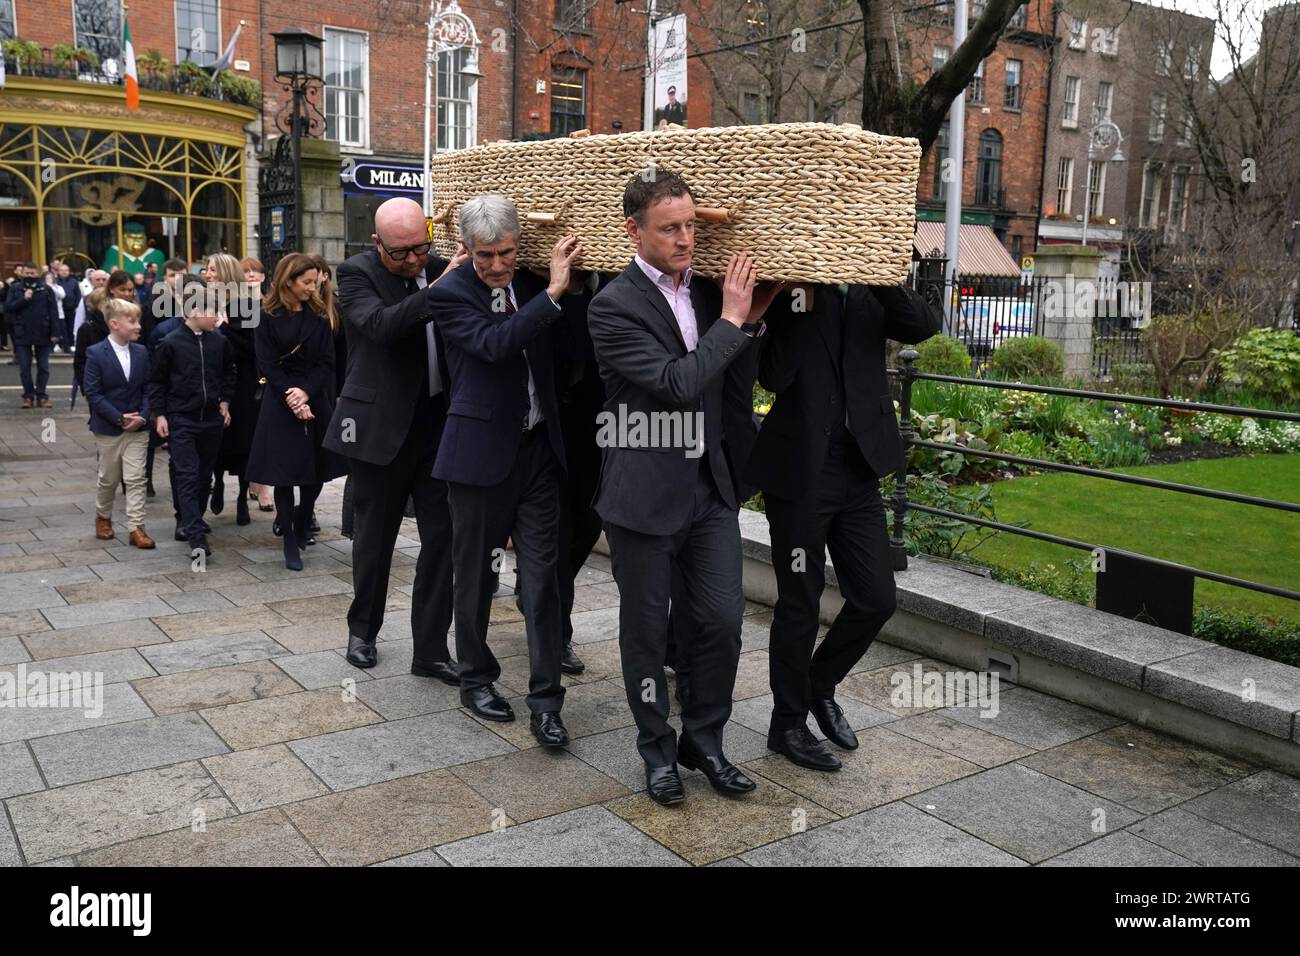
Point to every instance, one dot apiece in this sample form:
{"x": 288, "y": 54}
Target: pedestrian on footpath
{"x": 37, "y": 327}
{"x": 95, "y": 328}
{"x": 116, "y": 376}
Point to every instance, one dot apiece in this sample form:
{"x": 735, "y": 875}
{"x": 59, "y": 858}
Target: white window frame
{"x": 1078, "y": 33}
{"x": 975, "y": 88}
{"x": 1149, "y": 212}
{"x": 1156, "y": 126}
{"x": 1019, "y": 86}
{"x": 1100, "y": 166}
{"x": 471, "y": 138}
{"x": 1098, "y": 103}
{"x": 1164, "y": 57}
{"x": 1180, "y": 222}
{"x": 1110, "y": 41}
{"x": 939, "y": 57}
{"x": 364, "y": 117}
{"x": 1192, "y": 64}
{"x": 13, "y": 15}
{"x": 1070, "y": 112}
{"x": 218, "y": 44}
{"x": 1064, "y": 190}
{"x": 1185, "y": 130}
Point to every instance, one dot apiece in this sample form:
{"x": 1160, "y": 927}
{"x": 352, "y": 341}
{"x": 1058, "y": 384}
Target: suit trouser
{"x": 525, "y": 509}
{"x": 847, "y": 515}
{"x": 708, "y": 551}
{"x": 194, "y": 445}
{"x": 580, "y": 528}
{"x": 379, "y": 496}
{"x": 23, "y": 355}
{"x": 121, "y": 460}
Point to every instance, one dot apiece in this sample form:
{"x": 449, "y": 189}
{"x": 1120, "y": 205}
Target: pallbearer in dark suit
{"x": 387, "y": 423}
{"x": 502, "y": 453}
{"x": 830, "y": 437}
{"x": 674, "y": 350}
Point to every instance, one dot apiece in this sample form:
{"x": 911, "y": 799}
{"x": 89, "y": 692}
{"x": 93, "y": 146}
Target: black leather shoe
{"x": 241, "y": 512}
{"x": 445, "y": 671}
{"x": 830, "y": 718}
{"x": 200, "y": 541}
{"x": 487, "y": 703}
{"x": 800, "y": 747}
{"x": 149, "y": 490}
{"x": 723, "y": 775}
{"x": 548, "y": 728}
{"x": 664, "y": 785}
{"x": 571, "y": 663}
{"x": 180, "y": 535}
{"x": 361, "y": 653}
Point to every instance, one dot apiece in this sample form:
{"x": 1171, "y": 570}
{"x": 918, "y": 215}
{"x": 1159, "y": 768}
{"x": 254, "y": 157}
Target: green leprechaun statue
{"x": 135, "y": 253}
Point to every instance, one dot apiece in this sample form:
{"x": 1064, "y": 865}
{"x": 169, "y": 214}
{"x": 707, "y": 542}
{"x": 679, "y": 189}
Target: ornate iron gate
{"x": 277, "y": 191}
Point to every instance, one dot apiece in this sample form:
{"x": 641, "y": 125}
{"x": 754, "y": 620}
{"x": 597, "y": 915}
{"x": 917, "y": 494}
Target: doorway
{"x": 15, "y": 241}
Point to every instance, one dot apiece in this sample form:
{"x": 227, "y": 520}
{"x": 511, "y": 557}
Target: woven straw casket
{"x": 812, "y": 202}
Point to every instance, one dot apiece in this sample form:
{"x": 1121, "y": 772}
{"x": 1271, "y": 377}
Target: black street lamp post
{"x": 298, "y": 69}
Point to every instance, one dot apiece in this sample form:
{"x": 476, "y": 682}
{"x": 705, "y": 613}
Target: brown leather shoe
{"x": 45, "y": 403}
{"x": 140, "y": 539}
{"x": 27, "y": 403}
{"x": 103, "y": 528}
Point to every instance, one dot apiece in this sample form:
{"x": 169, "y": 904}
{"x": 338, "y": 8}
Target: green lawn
{"x": 1259, "y": 544}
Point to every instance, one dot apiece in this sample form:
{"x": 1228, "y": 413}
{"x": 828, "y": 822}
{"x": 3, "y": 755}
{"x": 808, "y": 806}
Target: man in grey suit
{"x": 679, "y": 358}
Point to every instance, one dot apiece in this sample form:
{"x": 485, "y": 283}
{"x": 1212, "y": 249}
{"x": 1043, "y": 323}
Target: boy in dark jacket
{"x": 192, "y": 378}
{"x": 34, "y": 320}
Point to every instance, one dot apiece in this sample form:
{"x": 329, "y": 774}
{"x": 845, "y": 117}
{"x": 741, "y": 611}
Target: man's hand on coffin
{"x": 562, "y": 255}
{"x": 456, "y": 262}
{"x": 764, "y": 293}
{"x": 738, "y": 289}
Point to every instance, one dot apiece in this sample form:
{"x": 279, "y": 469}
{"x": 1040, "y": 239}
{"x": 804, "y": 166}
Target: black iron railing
{"x": 900, "y": 505}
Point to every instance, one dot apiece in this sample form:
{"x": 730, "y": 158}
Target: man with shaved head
{"x": 388, "y": 422}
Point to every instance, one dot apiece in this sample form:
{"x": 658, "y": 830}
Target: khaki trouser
{"x": 122, "y": 456}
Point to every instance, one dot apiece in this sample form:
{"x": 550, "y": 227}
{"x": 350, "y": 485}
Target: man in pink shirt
{"x": 679, "y": 357}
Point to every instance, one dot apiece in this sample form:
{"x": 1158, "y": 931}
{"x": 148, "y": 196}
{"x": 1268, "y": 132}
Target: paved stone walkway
{"x": 232, "y": 733}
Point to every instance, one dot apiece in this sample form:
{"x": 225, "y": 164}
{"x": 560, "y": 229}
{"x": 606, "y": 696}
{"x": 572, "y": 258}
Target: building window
{"x": 1096, "y": 187}
{"x": 976, "y": 87}
{"x": 1011, "y": 95}
{"x": 1192, "y": 65}
{"x": 1016, "y": 241}
{"x": 1164, "y": 57}
{"x": 1185, "y": 130}
{"x": 1070, "y": 113}
{"x": 751, "y": 107}
{"x": 98, "y": 27}
{"x": 1110, "y": 41}
{"x": 571, "y": 15}
{"x": 1078, "y": 33}
{"x": 6, "y": 19}
{"x": 988, "y": 174}
{"x": 939, "y": 59}
{"x": 1019, "y": 18}
{"x": 1156, "y": 130}
{"x": 940, "y": 157}
{"x": 1101, "y": 108}
{"x": 198, "y": 31}
{"x": 346, "y": 73}
{"x": 1064, "y": 184}
{"x": 568, "y": 100}
{"x": 1177, "y": 198}
{"x": 1150, "y": 196}
{"x": 457, "y": 101}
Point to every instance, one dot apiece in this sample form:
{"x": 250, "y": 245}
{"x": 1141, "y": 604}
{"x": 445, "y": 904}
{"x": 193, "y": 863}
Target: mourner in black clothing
{"x": 192, "y": 376}
{"x": 829, "y": 439}
{"x": 295, "y": 355}
{"x": 226, "y": 284}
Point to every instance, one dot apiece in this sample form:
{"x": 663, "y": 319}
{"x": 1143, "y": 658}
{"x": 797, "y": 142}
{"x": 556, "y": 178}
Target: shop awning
{"x": 981, "y": 252}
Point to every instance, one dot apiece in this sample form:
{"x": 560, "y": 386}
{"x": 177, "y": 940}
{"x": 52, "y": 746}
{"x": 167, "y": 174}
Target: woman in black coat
{"x": 295, "y": 356}
{"x": 226, "y": 284}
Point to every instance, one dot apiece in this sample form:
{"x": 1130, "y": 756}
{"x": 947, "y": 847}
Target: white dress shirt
{"x": 123, "y": 353}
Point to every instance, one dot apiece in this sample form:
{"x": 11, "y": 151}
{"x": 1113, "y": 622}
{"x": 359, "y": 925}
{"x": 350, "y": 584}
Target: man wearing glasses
{"x": 388, "y": 422}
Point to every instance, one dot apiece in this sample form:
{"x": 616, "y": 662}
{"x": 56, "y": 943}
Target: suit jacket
{"x": 486, "y": 350}
{"x": 387, "y": 356}
{"x": 33, "y": 321}
{"x": 821, "y": 361}
{"x": 108, "y": 392}
{"x": 648, "y": 372}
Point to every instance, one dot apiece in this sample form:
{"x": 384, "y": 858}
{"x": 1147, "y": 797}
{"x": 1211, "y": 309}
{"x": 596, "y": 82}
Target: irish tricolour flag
{"x": 128, "y": 68}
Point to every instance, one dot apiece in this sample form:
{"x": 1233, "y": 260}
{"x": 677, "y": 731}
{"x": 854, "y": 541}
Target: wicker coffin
{"x": 812, "y": 202}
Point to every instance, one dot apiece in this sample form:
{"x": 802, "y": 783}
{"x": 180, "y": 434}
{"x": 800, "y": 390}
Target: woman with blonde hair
{"x": 229, "y": 291}
{"x": 295, "y": 355}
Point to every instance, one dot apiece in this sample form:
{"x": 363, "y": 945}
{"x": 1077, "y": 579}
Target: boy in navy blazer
{"x": 117, "y": 371}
